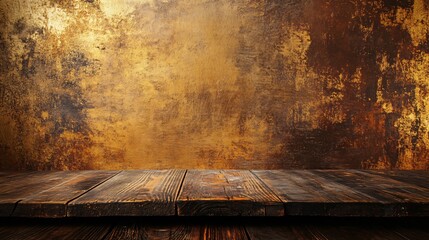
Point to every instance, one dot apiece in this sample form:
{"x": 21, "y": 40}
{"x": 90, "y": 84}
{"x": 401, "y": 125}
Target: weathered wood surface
{"x": 64, "y": 231}
{"x": 279, "y": 232}
{"x": 131, "y": 193}
{"x": 53, "y": 201}
{"x": 178, "y": 228}
{"x": 125, "y": 231}
{"x": 215, "y": 193}
{"x": 226, "y": 193}
{"x": 174, "y": 231}
{"x": 305, "y": 193}
{"x": 17, "y": 187}
{"x": 394, "y": 198}
{"x": 6, "y": 175}
{"x": 419, "y": 178}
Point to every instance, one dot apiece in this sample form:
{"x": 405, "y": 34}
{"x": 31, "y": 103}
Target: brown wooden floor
{"x": 289, "y": 228}
{"x": 215, "y": 193}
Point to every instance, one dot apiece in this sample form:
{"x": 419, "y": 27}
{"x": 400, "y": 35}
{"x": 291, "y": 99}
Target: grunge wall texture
{"x": 105, "y": 84}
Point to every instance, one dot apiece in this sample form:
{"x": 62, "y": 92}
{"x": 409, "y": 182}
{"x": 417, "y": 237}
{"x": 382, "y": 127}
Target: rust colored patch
{"x": 102, "y": 84}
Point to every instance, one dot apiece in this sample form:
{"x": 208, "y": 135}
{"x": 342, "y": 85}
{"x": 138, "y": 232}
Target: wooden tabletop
{"x": 215, "y": 193}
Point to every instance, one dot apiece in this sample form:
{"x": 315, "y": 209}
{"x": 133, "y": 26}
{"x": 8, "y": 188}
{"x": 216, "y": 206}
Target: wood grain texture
{"x": 10, "y": 176}
{"x": 147, "y": 231}
{"x": 131, "y": 193}
{"x": 214, "y": 193}
{"x": 396, "y": 198}
{"x": 359, "y": 231}
{"x": 419, "y": 178}
{"x": 216, "y": 228}
{"x": 226, "y": 193}
{"x": 412, "y": 232}
{"x": 53, "y": 201}
{"x": 67, "y": 231}
{"x": 307, "y": 194}
{"x": 6, "y": 175}
{"x": 223, "y": 232}
{"x": 20, "y": 186}
{"x": 312, "y": 228}
{"x": 177, "y": 231}
{"x": 279, "y": 232}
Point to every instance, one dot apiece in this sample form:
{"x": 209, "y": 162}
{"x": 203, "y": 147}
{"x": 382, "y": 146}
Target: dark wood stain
{"x": 17, "y": 187}
{"x": 171, "y": 231}
{"x": 53, "y": 201}
{"x": 54, "y": 230}
{"x": 418, "y": 178}
{"x": 265, "y": 193}
{"x": 307, "y": 193}
{"x": 217, "y": 229}
{"x": 226, "y": 193}
{"x": 131, "y": 193}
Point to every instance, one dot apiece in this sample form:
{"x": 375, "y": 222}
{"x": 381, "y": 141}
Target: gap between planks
{"x": 231, "y": 183}
{"x": 89, "y": 190}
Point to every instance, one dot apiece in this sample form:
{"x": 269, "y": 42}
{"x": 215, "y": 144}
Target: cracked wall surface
{"x": 130, "y": 84}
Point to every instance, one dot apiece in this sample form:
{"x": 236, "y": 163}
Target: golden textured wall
{"x": 120, "y": 84}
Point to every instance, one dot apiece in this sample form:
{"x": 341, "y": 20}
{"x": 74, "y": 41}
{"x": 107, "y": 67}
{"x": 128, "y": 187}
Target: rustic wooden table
{"x": 340, "y": 193}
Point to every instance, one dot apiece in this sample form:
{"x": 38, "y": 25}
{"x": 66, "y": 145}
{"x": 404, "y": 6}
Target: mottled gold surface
{"x": 120, "y": 84}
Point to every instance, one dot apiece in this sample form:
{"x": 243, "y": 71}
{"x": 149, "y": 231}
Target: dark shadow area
{"x": 215, "y": 228}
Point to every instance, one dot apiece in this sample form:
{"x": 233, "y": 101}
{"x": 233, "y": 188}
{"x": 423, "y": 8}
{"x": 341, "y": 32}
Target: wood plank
{"x": 418, "y": 178}
{"x": 72, "y": 231}
{"x": 4, "y": 175}
{"x": 396, "y": 198}
{"x": 130, "y": 231}
{"x": 223, "y": 232}
{"x": 176, "y": 231}
{"x": 226, "y": 193}
{"x": 131, "y": 193}
{"x": 307, "y": 194}
{"x": 404, "y": 190}
{"x": 279, "y": 232}
{"x": 53, "y": 201}
{"x": 399, "y": 190}
{"x": 125, "y": 231}
{"x": 20, "y": 186}
{"x": 7, "y": 176}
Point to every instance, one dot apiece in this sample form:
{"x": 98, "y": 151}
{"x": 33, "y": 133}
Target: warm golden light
{"x": 108, "y": 84}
